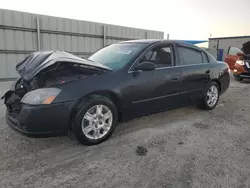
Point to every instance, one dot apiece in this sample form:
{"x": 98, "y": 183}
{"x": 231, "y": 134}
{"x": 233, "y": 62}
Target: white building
{"x": 218, "y": 47}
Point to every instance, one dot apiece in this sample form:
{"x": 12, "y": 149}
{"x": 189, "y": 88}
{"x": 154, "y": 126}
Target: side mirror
{"x": 240, "y": 54}
{"x": 145, "y": 66}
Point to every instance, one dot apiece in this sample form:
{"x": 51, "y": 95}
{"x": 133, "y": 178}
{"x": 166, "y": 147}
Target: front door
{"x": 149, "y": 91}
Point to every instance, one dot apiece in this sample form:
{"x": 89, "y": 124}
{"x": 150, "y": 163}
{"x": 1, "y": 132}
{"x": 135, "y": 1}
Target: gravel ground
{"x": 185, "y": 147}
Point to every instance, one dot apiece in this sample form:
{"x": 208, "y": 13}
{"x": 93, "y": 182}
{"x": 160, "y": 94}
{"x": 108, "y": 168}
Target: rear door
{"x": 195, "y": 70}
{"x": 231, "y": 56}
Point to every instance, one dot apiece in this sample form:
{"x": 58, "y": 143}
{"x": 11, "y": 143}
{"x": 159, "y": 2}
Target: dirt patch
{"x": 201, "y": 125}
{"x": 141, "y": 151}
{"x": 180, "y": 143}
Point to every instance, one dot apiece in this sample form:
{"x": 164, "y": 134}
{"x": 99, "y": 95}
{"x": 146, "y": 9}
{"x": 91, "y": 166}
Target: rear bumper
{"x": 225, "y": 82}
{"x": 42, "y": 120}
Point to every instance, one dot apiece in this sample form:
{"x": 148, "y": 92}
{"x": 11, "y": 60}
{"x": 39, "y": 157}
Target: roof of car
{"x": 151, "y": 41}
{"x": 147, "y": 41}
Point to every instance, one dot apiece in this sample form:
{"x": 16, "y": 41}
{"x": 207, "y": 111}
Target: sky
{"x": 181, "y": 19}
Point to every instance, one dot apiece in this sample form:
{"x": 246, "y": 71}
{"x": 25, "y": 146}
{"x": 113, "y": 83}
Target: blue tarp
{"x": 194, "y": 41}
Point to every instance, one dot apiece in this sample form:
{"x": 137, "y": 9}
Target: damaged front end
{"x": 12, "y": 98}
{"x": 242, "y": 65}
{"x": 47, "y": 70}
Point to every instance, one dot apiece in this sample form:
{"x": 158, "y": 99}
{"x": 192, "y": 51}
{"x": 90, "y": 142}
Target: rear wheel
{"x": 210, "y": 97}
{"x": 95, "y": 120}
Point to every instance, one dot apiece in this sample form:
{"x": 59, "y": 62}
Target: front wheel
{"x": 95, "y": 120}
{"x": 210, "y": 97}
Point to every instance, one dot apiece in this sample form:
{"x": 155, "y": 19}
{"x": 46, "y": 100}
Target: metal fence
{"x": 22, "y": 33}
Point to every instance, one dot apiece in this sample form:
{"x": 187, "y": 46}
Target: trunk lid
{"x": 37, "y": 61}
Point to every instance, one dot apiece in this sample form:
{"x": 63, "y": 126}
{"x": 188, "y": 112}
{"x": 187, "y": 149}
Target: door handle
{"x": 207, "y": 72}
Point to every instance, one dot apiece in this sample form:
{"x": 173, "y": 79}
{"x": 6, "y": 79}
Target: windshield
{"x": 234, "y": 51}
{"x": 116, "y": 56}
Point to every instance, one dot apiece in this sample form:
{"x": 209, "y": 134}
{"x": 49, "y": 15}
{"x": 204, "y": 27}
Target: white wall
{"x": 225, "y": 44}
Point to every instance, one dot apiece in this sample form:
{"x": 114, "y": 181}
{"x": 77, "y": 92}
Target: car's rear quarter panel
{"x": 222, "y": 74}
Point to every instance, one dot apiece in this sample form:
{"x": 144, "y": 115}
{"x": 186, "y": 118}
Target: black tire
{"x": 238, "y": 78}
{"x": 83, "y": 108}
{"x": 204, "y": 102}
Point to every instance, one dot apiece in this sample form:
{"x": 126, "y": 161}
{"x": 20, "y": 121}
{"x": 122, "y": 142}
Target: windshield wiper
{"x": 93, "y": 68}
{"x": 99, "y": 69}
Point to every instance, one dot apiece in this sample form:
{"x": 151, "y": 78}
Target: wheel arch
{"x": 109, "y": 94}
{"x": 218, "y": 82}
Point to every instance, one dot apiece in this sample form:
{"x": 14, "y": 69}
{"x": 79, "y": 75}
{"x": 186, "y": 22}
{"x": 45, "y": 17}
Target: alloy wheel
{"x": 212, "y": 96}
{"x": 97, "y": 122}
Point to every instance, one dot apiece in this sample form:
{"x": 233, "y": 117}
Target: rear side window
{"x": 204, "y": 57}
{"x": 189, "y": 56}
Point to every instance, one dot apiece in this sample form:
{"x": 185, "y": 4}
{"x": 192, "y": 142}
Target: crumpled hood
{"x": 37, "y": 61}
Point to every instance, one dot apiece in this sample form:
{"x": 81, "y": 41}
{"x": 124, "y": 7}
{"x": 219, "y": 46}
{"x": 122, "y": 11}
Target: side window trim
{"x": 208, "y": 60}
{"x": 206, "y": 57}
{"x": 202, "y": 57}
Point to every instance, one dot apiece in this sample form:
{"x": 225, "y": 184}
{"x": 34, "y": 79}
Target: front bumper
{"x": 243, "y": 75}
{"x": 241, "y": 71}
{"x": 42, "y": 120}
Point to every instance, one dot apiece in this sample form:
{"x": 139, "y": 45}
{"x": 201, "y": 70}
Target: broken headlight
{"x": 41, "y": 96}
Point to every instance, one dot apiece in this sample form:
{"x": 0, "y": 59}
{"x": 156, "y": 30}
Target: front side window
{"x": 189, "y": 56}
{"x": 117, "y": 56}
{"x": 160, "y": 56}
{"x": 234, "y": 51}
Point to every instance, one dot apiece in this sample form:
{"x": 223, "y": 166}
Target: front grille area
{"x": 13, "y": 103}
{"x": 248, "y": 64}
{"x": 246, "y": 74}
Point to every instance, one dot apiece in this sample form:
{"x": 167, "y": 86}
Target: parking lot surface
{"x": 185, "y": 147}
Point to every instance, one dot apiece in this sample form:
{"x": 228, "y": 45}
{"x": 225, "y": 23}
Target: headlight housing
{"x": 240, "y": 62}
{"x": 41, "y": 96}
